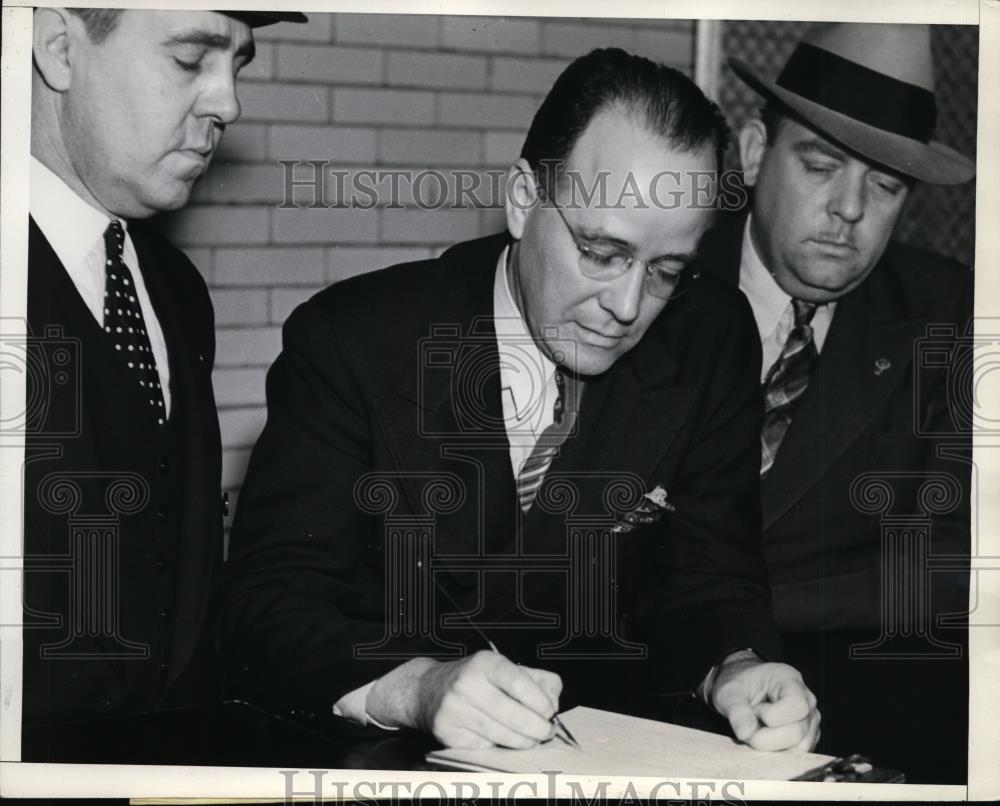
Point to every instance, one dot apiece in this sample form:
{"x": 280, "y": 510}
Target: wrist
{"x": 396, "y": 698}
{"x": 730, "y": 663}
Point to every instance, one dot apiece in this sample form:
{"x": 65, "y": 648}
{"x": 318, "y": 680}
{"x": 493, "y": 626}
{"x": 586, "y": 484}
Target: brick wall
{"x": 364, "y": 91}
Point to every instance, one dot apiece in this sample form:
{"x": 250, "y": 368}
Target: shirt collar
{"x": 71, "y": 226}
{"x": 524, "y": 370}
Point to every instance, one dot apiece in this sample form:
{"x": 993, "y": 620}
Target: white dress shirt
{"x": 75, "y": 230}
{"x": 528, "y": 391}
{"x": 527, "y": 377}
{"x": 772, "y": 307}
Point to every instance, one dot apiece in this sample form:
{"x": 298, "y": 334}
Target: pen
{"x": 569, "y": 737}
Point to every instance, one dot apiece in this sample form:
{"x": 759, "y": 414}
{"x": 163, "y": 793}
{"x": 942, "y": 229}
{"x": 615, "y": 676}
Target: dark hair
{"x": 99, "y": 22}
{"x": 666, "y": 100}
{"x": 773, "y": 114}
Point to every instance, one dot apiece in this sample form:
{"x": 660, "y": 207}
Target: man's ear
{"x": 520, "y": 196}
{"x": 50, "y": 47}
{"x": 753, "y": 144}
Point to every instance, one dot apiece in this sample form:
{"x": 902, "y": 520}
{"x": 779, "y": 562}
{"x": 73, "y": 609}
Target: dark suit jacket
{"x": 905, "y": 424}
{"x": 105, "y": 490}
{"x": 823, "y": 548}
{"x": 365, "y": 384}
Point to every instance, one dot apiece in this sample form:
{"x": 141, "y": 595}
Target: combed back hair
{"x": 665, "y": 99}
{"x": 99, "y": 22}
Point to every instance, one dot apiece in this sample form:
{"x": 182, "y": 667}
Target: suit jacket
{"x": 123, "y": 521}
{"x": 875, "y": 405}
{"x": 878, "y": 452}
{"x": 396, "y": 373}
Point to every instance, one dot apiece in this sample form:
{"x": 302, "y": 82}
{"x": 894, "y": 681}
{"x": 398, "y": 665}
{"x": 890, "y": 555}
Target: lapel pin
{"x": 881, "y": 365}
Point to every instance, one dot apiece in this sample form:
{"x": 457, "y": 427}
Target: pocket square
{"x": 653, "y": 506}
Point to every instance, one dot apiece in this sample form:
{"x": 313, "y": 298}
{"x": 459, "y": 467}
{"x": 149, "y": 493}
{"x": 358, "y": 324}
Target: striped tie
{"x": 786, "y": 382}
{"x": 564, "y": 418}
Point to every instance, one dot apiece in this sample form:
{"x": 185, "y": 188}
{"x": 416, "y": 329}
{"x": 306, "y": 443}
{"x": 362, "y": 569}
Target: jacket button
{"x": 164, "y": 614}
{"x": 161, "y": 514}
{"x": 163, "y": 466}
{"x": 225, "y": 505}
{"x": 161, "y": 564}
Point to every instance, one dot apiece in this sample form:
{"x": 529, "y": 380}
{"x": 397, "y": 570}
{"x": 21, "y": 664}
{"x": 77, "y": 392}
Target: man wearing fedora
{"x": 123, "y": 517}
{"x": 844, "y": 135}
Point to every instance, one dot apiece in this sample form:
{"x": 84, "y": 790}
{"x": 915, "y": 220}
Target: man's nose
{"x": 218, "y": 99}
{"x": 623, "y": 296}
{"x": 849, "y": 196}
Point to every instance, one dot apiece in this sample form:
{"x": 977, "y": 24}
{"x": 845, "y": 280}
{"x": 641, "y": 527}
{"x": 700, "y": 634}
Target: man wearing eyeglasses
{"x": 523, "y": 476}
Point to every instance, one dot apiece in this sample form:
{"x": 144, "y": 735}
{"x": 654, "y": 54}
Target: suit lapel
{"x": 446, "y": 419}
{"x": 834, "y": 412}
{"x": 54, "y": 302}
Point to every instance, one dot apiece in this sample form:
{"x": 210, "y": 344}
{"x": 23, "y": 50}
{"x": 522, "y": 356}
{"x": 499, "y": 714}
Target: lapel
{"x": 54, "y": 302}
{"x": 445, "y": 419}
{"x": 844, "y": 394}
{"x": 191, "y": 425}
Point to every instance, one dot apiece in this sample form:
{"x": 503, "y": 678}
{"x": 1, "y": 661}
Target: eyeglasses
{"x": 607, "y": 263}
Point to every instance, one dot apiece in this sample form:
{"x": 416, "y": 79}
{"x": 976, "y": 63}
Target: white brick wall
{"x": 363, "y": 91}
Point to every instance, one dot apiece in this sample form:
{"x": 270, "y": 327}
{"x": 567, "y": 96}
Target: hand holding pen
{"x": 483, "y": 700}
{"x": 565, "y": 735}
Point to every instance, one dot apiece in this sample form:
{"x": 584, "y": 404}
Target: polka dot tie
{"x": 123, "y": 321}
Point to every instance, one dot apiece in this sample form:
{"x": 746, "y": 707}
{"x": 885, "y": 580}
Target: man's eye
{"x": 602, "y": 257}
{"x": 667, "y": 272}
{"x": 190, "y": 67}
{"x": 888, "y": 186}
{"x": 819, "y": 168}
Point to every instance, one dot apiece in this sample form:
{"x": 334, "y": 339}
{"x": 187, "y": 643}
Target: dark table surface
{"x": 231, "y": 734}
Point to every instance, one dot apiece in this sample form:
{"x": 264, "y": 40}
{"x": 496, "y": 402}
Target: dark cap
{"x": 256, "y": 19}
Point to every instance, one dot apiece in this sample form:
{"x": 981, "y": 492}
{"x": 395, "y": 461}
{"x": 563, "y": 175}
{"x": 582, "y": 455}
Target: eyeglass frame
{"x": 587, "y": 251}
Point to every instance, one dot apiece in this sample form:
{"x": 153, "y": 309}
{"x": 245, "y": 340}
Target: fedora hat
{"x": 869, "y": 87}
{"x": 256, "y": 19}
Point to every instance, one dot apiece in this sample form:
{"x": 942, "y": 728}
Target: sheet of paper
{"x": 614, "y": 744}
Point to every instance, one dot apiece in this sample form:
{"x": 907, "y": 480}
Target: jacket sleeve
{"x": 300, "y": 590}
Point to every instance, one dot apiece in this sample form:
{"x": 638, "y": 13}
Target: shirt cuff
{"x": 705, "y": 689}
{"x": 353, "y": 706}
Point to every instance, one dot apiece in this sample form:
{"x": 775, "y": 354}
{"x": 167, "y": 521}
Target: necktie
{"x": 786, "y": 382}
{"x": 549, "y": 441}
{"x": 123, "y": 321}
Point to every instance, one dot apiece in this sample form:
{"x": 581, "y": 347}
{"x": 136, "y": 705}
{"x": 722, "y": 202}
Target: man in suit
{"x": 857, "y": 431}
{"x": 123, "y": 516}
{"x": 519, "y": 453}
